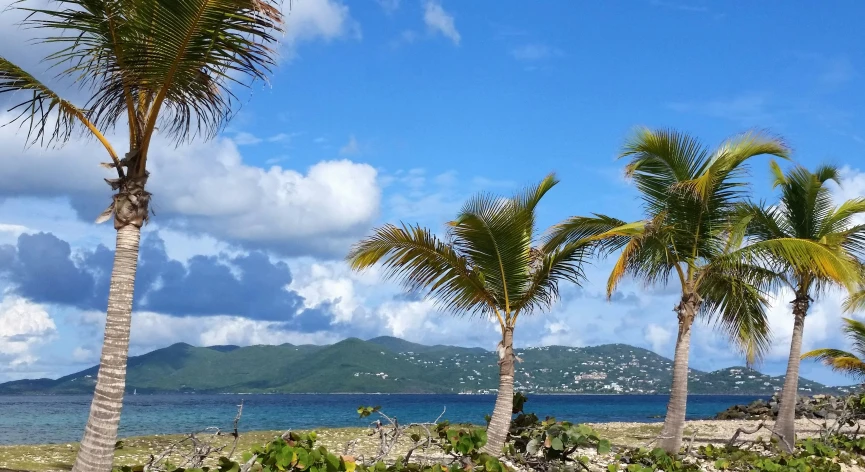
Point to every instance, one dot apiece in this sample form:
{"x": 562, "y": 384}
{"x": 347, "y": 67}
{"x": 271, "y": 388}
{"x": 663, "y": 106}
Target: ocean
{"x": 61, "y": 419}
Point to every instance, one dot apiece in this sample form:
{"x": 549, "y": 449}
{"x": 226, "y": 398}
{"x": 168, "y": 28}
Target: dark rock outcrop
{"x": 817, "y": 406}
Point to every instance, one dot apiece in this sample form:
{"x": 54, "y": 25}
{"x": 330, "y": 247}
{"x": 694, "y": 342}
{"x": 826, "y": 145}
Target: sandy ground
{"x": 707, "y": 431}
{"x": 135, "y": 451}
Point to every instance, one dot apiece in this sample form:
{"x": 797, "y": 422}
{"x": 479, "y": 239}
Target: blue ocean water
{"x": 58, "y": 419}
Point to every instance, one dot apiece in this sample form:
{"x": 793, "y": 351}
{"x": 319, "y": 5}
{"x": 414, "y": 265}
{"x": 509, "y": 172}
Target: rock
{"x": 817, "y": 406}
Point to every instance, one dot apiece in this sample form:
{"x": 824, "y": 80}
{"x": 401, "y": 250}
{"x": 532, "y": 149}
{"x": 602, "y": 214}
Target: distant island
{"x": 392, "y": 365}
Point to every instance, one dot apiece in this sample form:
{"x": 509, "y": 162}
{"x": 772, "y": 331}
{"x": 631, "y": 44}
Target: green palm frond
{"x": 601, "y": 228}
{"x": 855, "y": 332}
{"x": 93, "y": 36}
{"x": 564, "y": 263}
{"x": 486, "y": 265}
{"x": 805, "y": 256}
{"x": 198, "y": 50}
{"x": 161, "y": 62}
{"x": 659, "y": 160}
{"x": 842, "y": 361}
{"x": 855, "y": 302}
{"x": 714, "y": 178}
{"x": 421, "y": 262}
{"x": 495, "y": 234}
{"x": 735, "y": 298}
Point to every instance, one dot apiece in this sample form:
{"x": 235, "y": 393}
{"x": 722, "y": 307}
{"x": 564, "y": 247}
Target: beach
{"x": 137, "y": 450}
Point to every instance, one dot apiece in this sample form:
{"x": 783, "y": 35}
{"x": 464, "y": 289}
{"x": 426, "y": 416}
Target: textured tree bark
{"x": 674, "y": 422}
{"x": 97, "y": 448}
{"x": 500, "y": 424}
{"x": 785, "y": 424}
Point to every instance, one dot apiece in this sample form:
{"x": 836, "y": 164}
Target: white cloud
{"x": 23, "y": 326}
{"x": 351, "y": 148}
{"x": 83, "y": 355}
{"x": 155, "y": 330}
{"x": 748, "y": 109}
{"x": 389, "y": 6}
{"x": 534, "y": 52}
{"x": 438, "y": 20}
{"x": 658, "y": 337}
{"x": 243, "y": 139}
{"x": 317, "y": 19}
{"x": 208, "y": 188}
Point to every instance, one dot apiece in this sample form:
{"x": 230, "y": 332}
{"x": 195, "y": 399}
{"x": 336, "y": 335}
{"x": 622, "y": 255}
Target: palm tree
{"x": 812, "y": 245}
{"x": 843, "y": 361}
{"x": 689, "y": 195}
{"x": 145, "y": 64}
{"x": 489, "y": 265}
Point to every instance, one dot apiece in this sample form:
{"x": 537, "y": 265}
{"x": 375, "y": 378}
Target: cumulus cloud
{"x": 658, "y": 337}
{"x": 42, "y": 268}
{"x": 208, "y": 188}
{"x": 317, "y": 19}
{"x": 23, "y": 326}
{"x": 440, "y": 21}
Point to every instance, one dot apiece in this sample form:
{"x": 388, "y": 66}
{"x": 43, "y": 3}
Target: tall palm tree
{"x": 689, "y": 194}
{"x": 842, "y": 361}
{"x": 489, "y": 265}
{"x": 812, "y": 245}
{"x": 147, "y": 65}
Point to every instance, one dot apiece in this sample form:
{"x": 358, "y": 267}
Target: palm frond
{"x": 45, "y": 113}
{"x": 735, "y": 299}
{"x": 196, "y": 50}
{"x": 421, "y": 262}
{"x": 804, "y": 256}
{"x": 93, "y": 36}
{"x": 714, "y": 178}
{"x": 495, "y": 235}
{"x": 855, "y": 302}
{"x": 855, "y": 332}
{"x": 563, "y": 263}
{"x": 839, "y": 361}
{"x": 582, "y": 227}
{"x": 659, "y": 160}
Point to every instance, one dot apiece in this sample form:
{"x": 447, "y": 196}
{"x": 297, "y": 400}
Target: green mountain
{"x": 393, "y": 365}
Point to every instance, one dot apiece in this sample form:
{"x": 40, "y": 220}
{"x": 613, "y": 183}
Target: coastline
{"x": 136, "y": 450}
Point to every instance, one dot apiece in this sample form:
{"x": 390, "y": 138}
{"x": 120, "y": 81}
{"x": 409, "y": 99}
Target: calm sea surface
{"x": 57, "y": 419}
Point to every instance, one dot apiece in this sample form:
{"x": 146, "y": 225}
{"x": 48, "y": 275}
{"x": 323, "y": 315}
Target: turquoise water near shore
{"x": 59, "y": 419}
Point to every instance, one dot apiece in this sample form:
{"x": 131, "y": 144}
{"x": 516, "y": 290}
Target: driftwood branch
{"x": 195, "y": 448}
{"x": 745, "y": 431}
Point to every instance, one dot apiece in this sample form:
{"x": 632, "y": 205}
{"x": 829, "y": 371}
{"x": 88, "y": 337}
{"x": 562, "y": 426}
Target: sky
{"x": 398, "y": 110}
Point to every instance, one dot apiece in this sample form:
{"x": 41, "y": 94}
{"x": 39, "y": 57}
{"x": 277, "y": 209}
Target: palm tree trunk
{"x": 674, "y": 422}
{"x": 500, "y": 424}
{"x": 97, "y": 448}
{"x": 785, "y": 424}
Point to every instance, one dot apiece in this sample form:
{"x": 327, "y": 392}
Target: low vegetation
{"x": 535, "y": 444}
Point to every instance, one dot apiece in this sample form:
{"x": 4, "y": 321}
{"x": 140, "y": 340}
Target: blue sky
{"x": 395, "y": 110}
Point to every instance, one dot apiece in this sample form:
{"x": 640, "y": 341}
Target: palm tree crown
{"x": 689, "y": 196}
{"x": 150, "y": 65}
{"x": 490, "y": 263}
{"x": 809, "y": 241}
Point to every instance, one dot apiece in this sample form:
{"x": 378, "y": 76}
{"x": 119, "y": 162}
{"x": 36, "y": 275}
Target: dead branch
{"x": 194, "y": 450}
{"x": 691, "y": 443}
{"x": 745, "y": 431}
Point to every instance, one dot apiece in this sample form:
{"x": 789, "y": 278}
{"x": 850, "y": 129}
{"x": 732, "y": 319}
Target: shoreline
{"x": 14, "y": 395}
{"x": 136, "y": 450}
